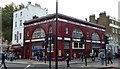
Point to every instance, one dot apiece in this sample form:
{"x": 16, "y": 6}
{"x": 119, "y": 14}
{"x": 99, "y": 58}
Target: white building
{"x": 114, "y": 36}
{"x": 19, "y": 17}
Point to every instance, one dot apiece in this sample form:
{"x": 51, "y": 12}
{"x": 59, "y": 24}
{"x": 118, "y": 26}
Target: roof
{"x": 62, "y": 16}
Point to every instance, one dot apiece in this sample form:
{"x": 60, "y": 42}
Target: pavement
{"x": 73, "y": 63}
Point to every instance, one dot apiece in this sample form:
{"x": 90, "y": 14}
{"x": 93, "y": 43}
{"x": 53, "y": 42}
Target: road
{"x": 76, "y": 64}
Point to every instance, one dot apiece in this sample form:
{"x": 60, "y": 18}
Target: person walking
{"x": 3, "y": 60}
{"x": 82, "y": 56}
{"x": 67, "y": 60}
{"x": 110, "y": 57}
{"x": 102, "y": 57}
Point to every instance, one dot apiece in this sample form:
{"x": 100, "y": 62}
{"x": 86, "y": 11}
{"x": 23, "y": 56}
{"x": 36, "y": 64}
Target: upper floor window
{"x": 95, "y": 36}
{"x": 67, "y": 30}
{"x": 39, "y": 32}
{"x": 20, "y": 35}
{"x": 116, "y": 31}
{"x": 77, "y": 33}
{"x": 15, "y": 15}
{"x": 50, "y": 29}
{"x": 28, "y": 33}
{"x": 20, "y": 13}
{"x": 15, "y": 24}
{"x": 119, "y": 31}
{"x": 20, "y": 22}
{"x": 15, "y": 36}
{"x": 113, "y": 30}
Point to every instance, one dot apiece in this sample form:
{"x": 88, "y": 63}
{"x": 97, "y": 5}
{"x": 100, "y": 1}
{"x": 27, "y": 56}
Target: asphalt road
{"x": 45, "y": 66}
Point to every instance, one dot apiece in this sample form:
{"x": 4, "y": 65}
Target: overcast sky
{"x": 76, "y": 8}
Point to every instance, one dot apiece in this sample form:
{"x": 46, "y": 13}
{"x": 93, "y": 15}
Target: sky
{"x": 76, "y": 8}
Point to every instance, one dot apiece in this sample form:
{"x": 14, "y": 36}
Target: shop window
{"x": 80, "y": 45}
{"x": 67, "y": 45}
{"x": 75, "y": 45}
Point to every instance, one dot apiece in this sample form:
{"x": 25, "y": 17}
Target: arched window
{"x": 39, "y": 32}
{"x": 95, "y": 36}
{"x": 77, "y": 33}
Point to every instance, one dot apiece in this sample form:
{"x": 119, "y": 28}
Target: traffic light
{"x": 106, "y": 40}
{"x": 82, "y": 40}
{"x": 53, "y": 41}
{"x": 46, "y": 39}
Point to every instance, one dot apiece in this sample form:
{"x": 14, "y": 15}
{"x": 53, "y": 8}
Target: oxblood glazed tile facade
{"x": 70, "y": 30}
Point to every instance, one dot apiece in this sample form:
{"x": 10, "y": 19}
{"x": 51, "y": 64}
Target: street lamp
{"x": 50, "y": 42}
{"x": 56, "y": 60}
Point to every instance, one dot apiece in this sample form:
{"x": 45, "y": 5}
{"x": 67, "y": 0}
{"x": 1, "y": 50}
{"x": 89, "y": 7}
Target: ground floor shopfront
{"x": 40, "y": 34}
{"x": 73, "y": 48}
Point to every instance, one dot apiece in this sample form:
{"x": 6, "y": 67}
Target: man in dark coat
{"x": 3, "y": 60}
{"x": 67, "y": 60}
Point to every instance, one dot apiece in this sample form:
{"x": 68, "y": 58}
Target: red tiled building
{"x": 70, "y": 30}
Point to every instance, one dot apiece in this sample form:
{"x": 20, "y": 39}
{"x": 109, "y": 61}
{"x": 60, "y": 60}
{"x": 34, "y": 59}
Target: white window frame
{"x": 78, "y": 46}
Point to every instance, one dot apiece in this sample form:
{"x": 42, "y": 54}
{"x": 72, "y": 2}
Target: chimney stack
{"x": 92, "y": 18}
{"x": 29, "y": 2}
{"x": 102, "y": 14}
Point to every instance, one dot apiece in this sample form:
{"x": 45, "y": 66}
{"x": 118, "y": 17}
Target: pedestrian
{"x": 11, "y": 56}
{"x": 3, "y": 60}
{"x": 38, "y": 56}
{"x": 102, "y": 57}
{"x": 110, "y": 57}
{"x": 67, "y": 60}
{"x": 93, "y": 57}
{"x": 75, "y": 56}
{"x": 82, "y": 56}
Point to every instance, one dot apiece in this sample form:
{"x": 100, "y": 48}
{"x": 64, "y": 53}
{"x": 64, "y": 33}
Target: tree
{"x": 7, "y": 20}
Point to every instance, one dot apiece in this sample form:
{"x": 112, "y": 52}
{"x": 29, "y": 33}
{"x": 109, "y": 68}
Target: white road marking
{"x": 27, "y": 66}
{"x": 1, "y": 66}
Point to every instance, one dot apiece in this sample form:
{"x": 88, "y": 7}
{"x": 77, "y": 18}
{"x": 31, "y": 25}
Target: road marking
{"x": 1, "y": 66}
{"x": 27, "y": 66}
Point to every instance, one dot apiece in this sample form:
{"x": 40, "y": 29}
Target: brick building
{"x": 112, "y": 26}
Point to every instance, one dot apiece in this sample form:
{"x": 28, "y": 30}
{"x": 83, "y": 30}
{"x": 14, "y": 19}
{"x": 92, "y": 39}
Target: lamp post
{"x": 50, "y": 42}
{"x": 56, "y": 60}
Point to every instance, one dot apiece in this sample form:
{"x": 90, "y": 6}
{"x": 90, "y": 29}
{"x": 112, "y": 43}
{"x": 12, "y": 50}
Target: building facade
{"x": 112, "y": 26}
{"x": 70, "y": 32}
{"x": 19, "y": 17}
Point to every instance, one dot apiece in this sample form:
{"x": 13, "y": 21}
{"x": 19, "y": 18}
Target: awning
{"x": 16, "y": 47}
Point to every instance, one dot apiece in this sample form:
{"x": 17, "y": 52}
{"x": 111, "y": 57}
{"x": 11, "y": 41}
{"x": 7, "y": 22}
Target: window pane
{"x": 67, "y": 44}
{"x": 75, "y": 45}
{"x": 77, "y": 33}
{"x": 67, "y": 30}
{"x": 80, "y": 45}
